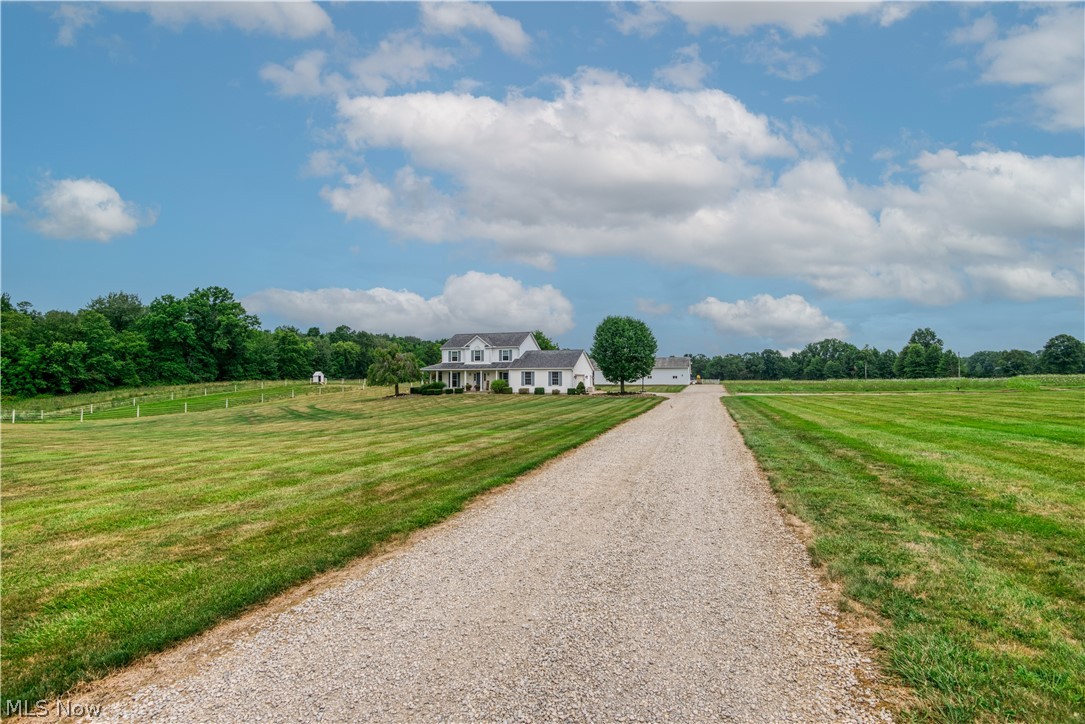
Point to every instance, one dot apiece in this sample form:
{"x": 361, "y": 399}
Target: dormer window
{"x": 454, "y": 355}
{"x": 476, "y": 355}
{"x": 506, "y": 355}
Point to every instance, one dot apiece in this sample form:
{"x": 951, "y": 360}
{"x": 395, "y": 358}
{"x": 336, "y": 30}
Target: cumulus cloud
{"x": 686, "y": 71}
{"x": 1048, "y": 55}
{"x": 452, "y": 17}
{"x": 605, "y": 167}
{"x": 401, "y": 59}
{"x": 87, "y": 209}
{"x": 797, "y": 18}
{"x": 302, "y": 19}
{"x": 73, "y": 17}
{"x": 467, "y": 302}
{"x": 787, "y": 320}
{"x": 7, "y": 206}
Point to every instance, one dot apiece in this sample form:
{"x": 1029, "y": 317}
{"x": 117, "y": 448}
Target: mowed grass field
{"x": 630, "y": 387}
{"x": 959, "y": 519}
{"x": 938, "y": 384}
{"x": 122, "y": 537}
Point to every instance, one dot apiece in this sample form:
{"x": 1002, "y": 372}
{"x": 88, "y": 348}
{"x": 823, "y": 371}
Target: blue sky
{"x": 738, "y": 175}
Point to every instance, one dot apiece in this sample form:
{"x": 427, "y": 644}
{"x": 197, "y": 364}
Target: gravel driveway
{"x": 647, "y": 575}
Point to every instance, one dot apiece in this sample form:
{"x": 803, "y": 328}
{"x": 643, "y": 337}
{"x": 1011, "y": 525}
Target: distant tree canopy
{"x": 923, "y": 356}
{"x": 624, "y": 349}
{"x": 117, "y": 341}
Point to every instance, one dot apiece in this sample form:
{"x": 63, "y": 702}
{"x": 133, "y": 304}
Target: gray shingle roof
{"x": 494, "y": 339}
{"x": 553, "y": 359}
{"x": 562, "y": 359}
{"x": 672, "y": 363}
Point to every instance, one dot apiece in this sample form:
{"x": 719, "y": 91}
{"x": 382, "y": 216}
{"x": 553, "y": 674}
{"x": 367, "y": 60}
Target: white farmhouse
{"x": 479, "y": 358}
{"x": 667, "y": 371}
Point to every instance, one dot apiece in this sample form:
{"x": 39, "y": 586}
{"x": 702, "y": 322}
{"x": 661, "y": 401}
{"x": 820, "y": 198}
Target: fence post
{"x": 43, "y": 414}
{"x": 137, "y": 412}
{"x": 80, "y": 415}
{"x": 92, "y": 408}
{"x": 171, "y": 395}
{"x": 235, "y": 387}
{"x": 291, "y": 393}
{"x": 186, "y": 407}
{"x": 227, "y": 403}
{"x": 205, "y": 392}
{"x": 261, "y": 397}
{"x": 13, "y": 416}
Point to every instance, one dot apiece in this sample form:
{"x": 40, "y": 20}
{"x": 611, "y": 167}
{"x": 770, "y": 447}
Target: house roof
{"x": 494, "y": 339}
{"x": 555, "y": 359}
{"x": 548, "y": 359}
{"x": 672, "y": 363}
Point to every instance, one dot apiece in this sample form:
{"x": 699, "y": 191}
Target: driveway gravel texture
{"x": 646, "y": 576}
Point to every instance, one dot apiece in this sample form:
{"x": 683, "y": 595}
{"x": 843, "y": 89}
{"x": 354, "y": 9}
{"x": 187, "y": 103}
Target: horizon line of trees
{"x": 923, "y": 356}
{"x": 206, "y": 336}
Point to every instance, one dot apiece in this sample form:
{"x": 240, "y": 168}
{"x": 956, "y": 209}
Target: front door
{"x": 478, "y": 380}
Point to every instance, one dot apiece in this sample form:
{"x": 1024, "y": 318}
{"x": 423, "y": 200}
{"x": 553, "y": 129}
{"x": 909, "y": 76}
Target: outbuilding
{"x": 318, "y": 378}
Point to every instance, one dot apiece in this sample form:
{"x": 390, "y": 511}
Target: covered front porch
{"x": 478, "y": 380}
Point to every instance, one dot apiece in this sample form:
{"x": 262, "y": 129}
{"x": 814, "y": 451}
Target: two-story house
{"x": 479, "y": 358}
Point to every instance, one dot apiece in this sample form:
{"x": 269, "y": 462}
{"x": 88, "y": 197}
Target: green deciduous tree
{"x": 1063, "y": 355}
{"x": 544, "y": 341}
{"x": 624, "y": 348}
{"x": 122, "y": 309}
{"x": 391, "y": 366}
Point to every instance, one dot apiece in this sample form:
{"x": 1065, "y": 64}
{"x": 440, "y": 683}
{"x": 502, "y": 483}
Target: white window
{"x": 506, "y": 355}
{"x": 503, "y": 375}
{"x": 528, "y": 379}
{"x": 454, "y": 355}
{"x": 476, "y": 355}
{"x": 555, "y": 379}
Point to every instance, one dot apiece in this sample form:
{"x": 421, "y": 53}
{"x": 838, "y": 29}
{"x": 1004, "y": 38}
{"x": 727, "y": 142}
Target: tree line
{"x": 206, "y": 336}
{"x": 924, "y": 355}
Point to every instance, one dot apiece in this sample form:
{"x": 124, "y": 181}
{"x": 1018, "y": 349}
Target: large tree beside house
{"x": 391, "y": 366}
{"x": 624, "y": 349}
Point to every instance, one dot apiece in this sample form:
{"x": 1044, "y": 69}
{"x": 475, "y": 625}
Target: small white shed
{"x": 318, "y": 378}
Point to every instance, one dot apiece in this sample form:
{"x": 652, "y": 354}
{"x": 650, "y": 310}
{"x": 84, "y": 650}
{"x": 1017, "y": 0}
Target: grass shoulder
{"x": 124, "y": 537}
{"x": 957, "y": 519}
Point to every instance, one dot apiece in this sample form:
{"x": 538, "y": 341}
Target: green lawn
{"x": 172, "y": 399}
{"x": 959, "y": 519}
{"x": 941, "y": 384}
{"x": 630, "y": 387}
{"x": 122, "y": 537}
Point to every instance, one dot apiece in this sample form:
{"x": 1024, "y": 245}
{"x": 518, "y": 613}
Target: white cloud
{"x": 301, "y": 19}
{"x": 467, "y": 302}
{"x": 650, "y": 306}
{"x": 686, "y": 71}
{"x": 1048, "y": 55}
{"x": 452, "y": 17}
{"x": 399, "y": 59}
{"x": 797, "y": 18}
{"x": 7, "y": 206}
{"x": 73, "y": 17}
{"x": 1024, "y": 282}
{"x": 787, "y": 320}
{"x": 644, "y": 20}
{"x": 87, "y": 209}
{"x": 605, "y": 168}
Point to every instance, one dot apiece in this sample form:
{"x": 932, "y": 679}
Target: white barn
{"x": 667, "y": 371}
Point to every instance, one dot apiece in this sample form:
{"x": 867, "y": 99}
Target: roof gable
{"x": 564, "y": 359}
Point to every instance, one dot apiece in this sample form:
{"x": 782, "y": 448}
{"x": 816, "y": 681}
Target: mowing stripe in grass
{"x": 959, "y": 519}
{"x": 144, "y": 532}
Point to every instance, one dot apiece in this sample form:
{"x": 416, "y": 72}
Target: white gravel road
{"x": 646, "y": 576}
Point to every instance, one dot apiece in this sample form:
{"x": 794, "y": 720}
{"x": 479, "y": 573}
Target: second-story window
{"x": 454, "y": 356}
{"x": 476, "y": 355}
{"x": 506, "y": 355}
